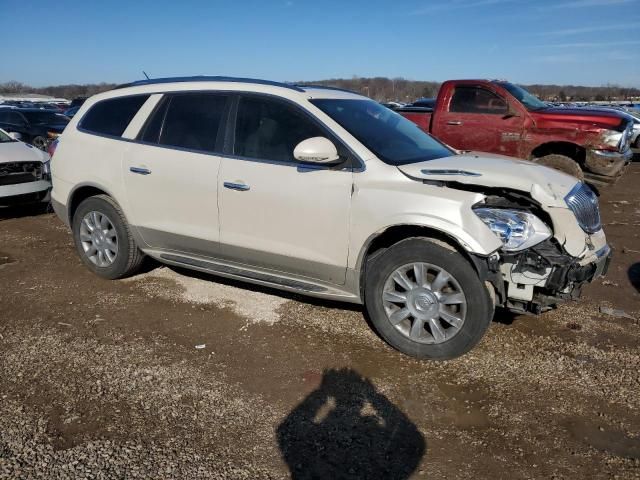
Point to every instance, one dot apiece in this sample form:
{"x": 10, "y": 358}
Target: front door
{"x": 171, "y": 173}
{"x": 276, "y": 213}
{"x": 480, "y": 120}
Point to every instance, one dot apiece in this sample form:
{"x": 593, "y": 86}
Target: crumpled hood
{"x": 547, "y": 186}
{"x": 21, "y": 152}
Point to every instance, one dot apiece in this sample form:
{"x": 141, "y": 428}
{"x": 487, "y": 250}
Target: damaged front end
{"x": 535, "y": 272}
{"x": 606, "y": 159}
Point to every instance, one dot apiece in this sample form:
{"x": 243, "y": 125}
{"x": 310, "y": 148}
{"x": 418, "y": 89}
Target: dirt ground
{"x": 173, "y": 374}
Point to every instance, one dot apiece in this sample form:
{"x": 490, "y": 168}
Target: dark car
{"x": 34, "y": 125}
{"x": 70, "y": 112}
{"x": 425, "y": 103}
{"x": 77, "y": 102}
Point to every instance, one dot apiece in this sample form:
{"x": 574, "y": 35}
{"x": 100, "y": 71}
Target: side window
{"x": 150, "y": 133}
{"x": 268, "y": 129}
{"x": 4, "y": 117}
{"x": 16, "y": 119}
{"x": 477, "y": 100}
{"x": 192, "y": 120}
{"x": 111, "y": 117}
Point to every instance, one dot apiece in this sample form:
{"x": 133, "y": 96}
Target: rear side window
{"x": 477, "y": 100}
{"x": 270, "y": 130}
{"x": 194, "y": 121}
{"x": 111, "y": 117}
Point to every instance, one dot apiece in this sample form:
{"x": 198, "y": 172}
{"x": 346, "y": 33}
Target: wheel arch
{"x": 568, "y": 149}
{"x": 381, "y": 240}
{"x": 82, "y": 192}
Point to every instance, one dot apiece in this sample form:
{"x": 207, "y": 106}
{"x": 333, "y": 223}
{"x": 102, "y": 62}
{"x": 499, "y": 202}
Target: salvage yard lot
{"x": 173, "y": 374}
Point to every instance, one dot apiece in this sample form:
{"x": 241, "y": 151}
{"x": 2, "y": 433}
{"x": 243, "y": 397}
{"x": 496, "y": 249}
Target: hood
{"x": 601, "y": 118}
{"x": 21, "y": 152}
{"x": 547, "y": 186}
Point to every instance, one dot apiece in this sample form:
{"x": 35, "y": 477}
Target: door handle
{"x": 454, "y": 122}
{"x": 236, "y": 186}
{"x": 140, "y": 170}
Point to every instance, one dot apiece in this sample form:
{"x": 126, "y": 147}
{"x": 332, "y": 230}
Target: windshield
{"x": 528, "y": 100}
{"x": 46, "y": 117}
{"x": 391, "y": 137}
{"x": 4, "y": 138}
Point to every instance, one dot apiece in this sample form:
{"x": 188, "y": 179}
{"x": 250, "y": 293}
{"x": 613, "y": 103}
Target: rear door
{"x": 171, "y": 173}
{"x": 276, "y": 213}
{"x": 476, "y": 118}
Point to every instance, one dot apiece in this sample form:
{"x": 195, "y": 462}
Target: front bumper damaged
{"x": 605, "y": 166}
{"x": 537, "y": 279}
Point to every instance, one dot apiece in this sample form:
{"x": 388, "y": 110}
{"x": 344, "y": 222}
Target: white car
{"x": 325, "y": 193}
{"x": 24, "y": 172}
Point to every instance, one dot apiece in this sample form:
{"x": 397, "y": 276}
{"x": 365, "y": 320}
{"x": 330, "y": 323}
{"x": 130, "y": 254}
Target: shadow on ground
{"x": 28, "y": 210}
{"x": 634, "y": 275}
{"x": 346, "y": 429}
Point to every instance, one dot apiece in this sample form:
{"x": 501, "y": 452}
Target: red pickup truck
{"x": 503, "y": 118}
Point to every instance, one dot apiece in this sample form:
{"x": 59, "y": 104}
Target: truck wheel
{"x": 103, "y": 238}
{"x": 562, "y": 163}
{"x": 39, "y": 142}
{"x": 426, "y": 300}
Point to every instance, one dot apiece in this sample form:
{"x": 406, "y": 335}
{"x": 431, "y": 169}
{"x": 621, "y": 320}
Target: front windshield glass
{"x": 4, "y": 138}
{"x": 391, "y": 137}
{"x": 531, "y": 102}
{"x": 46, "y": 117}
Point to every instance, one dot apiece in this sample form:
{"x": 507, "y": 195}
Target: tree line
{"x": 379, "y": 88}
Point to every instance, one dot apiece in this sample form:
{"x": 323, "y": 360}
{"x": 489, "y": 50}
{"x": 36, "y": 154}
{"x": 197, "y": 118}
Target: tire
{"x": 476, "y": 313}
{"x": 562, "y": 163}
{"x": 39, "y": 142}
{"x": 112, "y": 235}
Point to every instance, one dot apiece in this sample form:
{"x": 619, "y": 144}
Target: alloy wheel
{"x": 99, "y": 239}
{"x": 424, "y": 302}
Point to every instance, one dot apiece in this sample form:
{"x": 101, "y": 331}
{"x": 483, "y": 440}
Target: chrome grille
{"x": 584, "y": 205}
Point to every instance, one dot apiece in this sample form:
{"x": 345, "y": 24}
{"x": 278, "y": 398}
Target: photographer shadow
{"x": 346, "y": 429}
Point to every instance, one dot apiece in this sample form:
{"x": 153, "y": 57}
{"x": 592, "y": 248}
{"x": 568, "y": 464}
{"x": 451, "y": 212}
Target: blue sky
{"x": 588, "y": 42}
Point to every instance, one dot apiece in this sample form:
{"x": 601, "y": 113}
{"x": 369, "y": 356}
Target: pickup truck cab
{"x": 503, "y": 118}
{"x": 325, "y": 193}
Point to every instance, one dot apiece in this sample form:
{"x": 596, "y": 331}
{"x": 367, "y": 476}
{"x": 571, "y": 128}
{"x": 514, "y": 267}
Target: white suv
{"x": 326, "y": 193}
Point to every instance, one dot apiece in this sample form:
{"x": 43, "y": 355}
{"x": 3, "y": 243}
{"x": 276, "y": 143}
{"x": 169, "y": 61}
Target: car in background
{"x": 34, "y": 125}
{"x": 70, "y": 112}
{"x": 498, "y": 117}
{"x": 77, "y": 102}
{"x": 24, "y": 172}
{"x": 425, "y": 103}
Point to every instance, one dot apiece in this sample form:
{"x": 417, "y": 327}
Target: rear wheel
{"x": 563, "y": 163}
{"x": 426, "y": 300}
{"x": 103, "y": 238}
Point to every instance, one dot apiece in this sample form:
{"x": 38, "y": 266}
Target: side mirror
{"x": 316, "y": 150}
{"x": 15, "y": 135}
{"x": 511, "y": 112}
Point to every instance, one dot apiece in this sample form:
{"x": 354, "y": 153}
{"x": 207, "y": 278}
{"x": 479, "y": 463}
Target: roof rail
{"x": 326, "y": 87}
{"x": 204, "y": 78}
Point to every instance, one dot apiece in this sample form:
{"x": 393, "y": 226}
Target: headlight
{"x": 46, "y": 169}
{"x": 611, "y": 138}
{"x": 516, "y": 229}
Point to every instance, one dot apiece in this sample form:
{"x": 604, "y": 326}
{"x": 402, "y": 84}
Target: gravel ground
{"x": 172, "y": 374}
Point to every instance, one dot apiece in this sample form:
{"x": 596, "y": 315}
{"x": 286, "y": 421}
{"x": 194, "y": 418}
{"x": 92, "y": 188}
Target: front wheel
{"x": 561, "y": 163}
{"x": 426, "y": 300}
